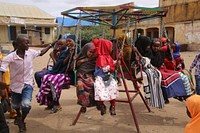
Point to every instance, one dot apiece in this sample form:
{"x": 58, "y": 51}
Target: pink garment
{"x": 21, "y": 70}
{"x": 44, "y": 96}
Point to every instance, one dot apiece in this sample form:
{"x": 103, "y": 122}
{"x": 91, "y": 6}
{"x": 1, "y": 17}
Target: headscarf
{"x": 177, "y": 49}
{"x": 127, "y": 49}
{"x": 87, "y": 66}
{"x": 193, "y": 106}
{"x": 142, "y": 44}
{"x": 157, "y": 58}
{"x": 103, "y": 51}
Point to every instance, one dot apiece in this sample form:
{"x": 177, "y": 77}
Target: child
{"x": 196, "y": 64}
{"x": 193, "y": 111}
{"x": 105, "y": 86}
{"x": 172, "y": 84}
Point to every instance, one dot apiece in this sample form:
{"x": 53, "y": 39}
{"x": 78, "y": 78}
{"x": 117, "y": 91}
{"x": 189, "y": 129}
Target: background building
{"x": 18, "y": 19}
{"x": 182, "y": 23}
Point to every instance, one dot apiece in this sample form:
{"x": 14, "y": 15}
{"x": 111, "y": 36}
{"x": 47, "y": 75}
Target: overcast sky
{"x": 55, "y": 7}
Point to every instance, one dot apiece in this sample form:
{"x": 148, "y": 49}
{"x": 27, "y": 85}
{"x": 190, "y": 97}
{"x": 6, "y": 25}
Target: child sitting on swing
{"x": 105, "y": 87}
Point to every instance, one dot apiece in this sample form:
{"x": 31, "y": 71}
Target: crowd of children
{"x": 165, "y": 75}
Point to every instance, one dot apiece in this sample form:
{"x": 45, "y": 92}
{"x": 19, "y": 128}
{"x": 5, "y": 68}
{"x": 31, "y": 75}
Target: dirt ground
{"x": 171, "y": 119}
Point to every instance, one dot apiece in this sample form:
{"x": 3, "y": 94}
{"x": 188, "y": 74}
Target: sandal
{"x": 56, "y": 109}
{"x": 48, "y": 108}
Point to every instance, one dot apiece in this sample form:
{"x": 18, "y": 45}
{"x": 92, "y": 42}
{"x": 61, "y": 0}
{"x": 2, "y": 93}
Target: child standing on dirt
{"x": 105, "y": 87}
{"x": 196, "y": 64}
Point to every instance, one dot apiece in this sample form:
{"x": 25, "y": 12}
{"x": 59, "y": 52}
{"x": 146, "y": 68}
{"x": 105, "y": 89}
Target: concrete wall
{"x": 163, "y": 3}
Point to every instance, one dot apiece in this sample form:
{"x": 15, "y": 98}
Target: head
{"x": 22, "y": 42}
{"x": 91, "y": 51}
{"x": 155, "y": 46}
{"x": 193, "y": 106}
{"x": 70, "y": 42}
{"x": 60, "y": 45}
{"x": 122, "y": 38}
{"x": 103, "y": 46}
{"x": 143, "y": 44}
{"x": 87, "y": 51}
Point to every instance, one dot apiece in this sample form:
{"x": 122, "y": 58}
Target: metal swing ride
{"x": 116, "y": 17}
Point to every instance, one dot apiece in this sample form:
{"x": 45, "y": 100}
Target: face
{"x": 156, "y": 46}
{"x": 70, "y": 42}
{"x": 90, "y": 53}
{"x": 24, "y": 43}
{"x": 60, "y": 45}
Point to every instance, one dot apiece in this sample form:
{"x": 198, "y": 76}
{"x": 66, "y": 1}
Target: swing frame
{"x": 116, "y": 17}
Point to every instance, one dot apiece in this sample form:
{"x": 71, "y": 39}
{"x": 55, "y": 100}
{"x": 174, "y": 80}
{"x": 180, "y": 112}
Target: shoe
{"x": 17, "y": 119}
{"x": 22, "y": 126}
{"x": 112, "y": 110}
{"x": 167, "y": 101}
{"x": 55, "y": 109}
{"x": 103, "y": 109}
{"x": 83, "y": 109}
{"x": 48, "y": 108}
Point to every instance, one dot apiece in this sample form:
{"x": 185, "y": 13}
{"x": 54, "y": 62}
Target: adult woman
{"x": 52, "y": 83}
{"x": 85, "y": 64}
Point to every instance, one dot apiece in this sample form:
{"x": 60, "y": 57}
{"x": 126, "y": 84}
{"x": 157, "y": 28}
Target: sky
{"x": 55, "y": 7}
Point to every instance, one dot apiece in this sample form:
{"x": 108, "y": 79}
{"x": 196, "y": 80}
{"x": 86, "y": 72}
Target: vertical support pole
{"x": 114, "y": 21}
{"x": 9, "y": 36}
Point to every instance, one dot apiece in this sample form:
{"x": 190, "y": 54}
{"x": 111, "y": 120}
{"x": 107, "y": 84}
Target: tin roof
{"x": 23, "y": 11}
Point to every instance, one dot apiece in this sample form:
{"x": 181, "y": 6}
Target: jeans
{"x": 197, "y": 78}
{"x": 3, "y": 125}
{"x": 38, "y": 76}
{"x": 23, "y": 100}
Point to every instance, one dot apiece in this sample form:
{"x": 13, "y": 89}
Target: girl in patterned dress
{"x": 105, "y": 87}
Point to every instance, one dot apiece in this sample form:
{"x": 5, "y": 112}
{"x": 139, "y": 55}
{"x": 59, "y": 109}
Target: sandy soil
{"x": 170, "y": 119}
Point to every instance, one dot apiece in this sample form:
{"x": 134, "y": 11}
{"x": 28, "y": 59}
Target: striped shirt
{"x": 196, "y": 64}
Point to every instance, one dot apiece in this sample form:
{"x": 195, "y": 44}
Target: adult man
{"x": 20, "y": 63}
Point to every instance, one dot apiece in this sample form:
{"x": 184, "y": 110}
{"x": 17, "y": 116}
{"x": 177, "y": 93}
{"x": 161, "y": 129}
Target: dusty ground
{"x": 171, "y": 119}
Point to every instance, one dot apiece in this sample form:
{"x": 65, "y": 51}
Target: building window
{"x": 38, "y": 29}
{"x": 23, "y": 30}
{"x": 47, "y": 30}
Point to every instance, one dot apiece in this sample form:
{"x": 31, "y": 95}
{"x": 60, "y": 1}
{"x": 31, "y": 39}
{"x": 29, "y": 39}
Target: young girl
{"x": 172, "y": 84}
{"x": 85, "y": 64}
{"x": 105, "y": 86}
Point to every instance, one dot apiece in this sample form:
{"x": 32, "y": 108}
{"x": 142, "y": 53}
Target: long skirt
{"x": 51, "y": 88}
{"x": 172, "y": 84}
{"x": 152, "y": 87}
{"x": 85, "y": 90}
{"x": 105, "y": 90}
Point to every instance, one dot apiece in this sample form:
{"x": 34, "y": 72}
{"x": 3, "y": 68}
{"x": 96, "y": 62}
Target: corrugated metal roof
{"x": 23, "y": 11}
{"x": 68, "y": 22}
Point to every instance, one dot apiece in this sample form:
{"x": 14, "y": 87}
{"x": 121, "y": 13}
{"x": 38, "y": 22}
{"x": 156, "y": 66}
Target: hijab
{"x": 193, "y": 106}
{"x": 103, "y": 51}
{"x": 157, "y": 58}
{"x": 143, "y": 44}
{"x": 88, "y": 66}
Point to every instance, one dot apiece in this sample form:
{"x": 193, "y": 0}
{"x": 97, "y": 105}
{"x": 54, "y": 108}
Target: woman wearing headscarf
{"x": 52, "y": 82}
{"x": 85, "y": 65}
{"x": 193, "y": 111}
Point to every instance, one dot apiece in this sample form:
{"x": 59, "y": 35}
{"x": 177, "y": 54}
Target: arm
{"x": 137, "y": 52}
{"x": 53, "y": 57}
{"x": 194, "y": 62}
{"x": 43, "y": 51}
